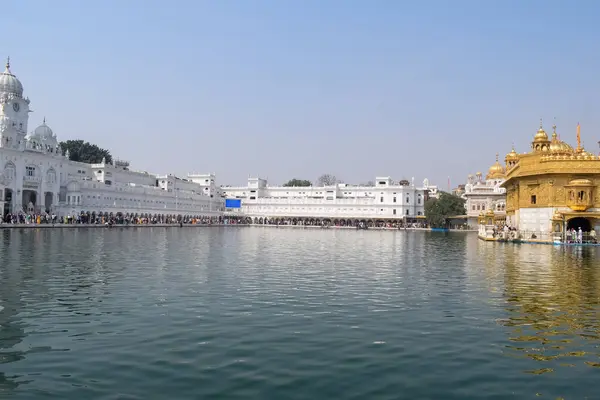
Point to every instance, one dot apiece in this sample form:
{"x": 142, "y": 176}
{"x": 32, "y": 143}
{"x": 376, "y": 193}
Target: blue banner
{"x": 233, "y": 203}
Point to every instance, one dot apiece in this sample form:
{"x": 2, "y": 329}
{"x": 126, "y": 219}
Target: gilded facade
{"x": 552, "y": 188}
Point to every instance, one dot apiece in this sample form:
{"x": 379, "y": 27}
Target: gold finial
{"x": 8, "y": 62}
{"x": 496, "y": 157}
{"x": 541, "y": 124}
{"x": 578, "y": 137}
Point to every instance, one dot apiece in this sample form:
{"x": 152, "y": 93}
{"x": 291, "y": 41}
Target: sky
{"x": 285, "y": 89}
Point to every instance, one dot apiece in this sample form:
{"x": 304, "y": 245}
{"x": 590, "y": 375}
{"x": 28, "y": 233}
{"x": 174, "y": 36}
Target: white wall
{"x": 339, "y": 201}
{"x": 536, "y": 219}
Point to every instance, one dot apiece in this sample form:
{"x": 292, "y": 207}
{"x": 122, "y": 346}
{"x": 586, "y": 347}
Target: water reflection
{"x": 551, "y": 296}
{"x": 198, "y": 311}
{"x": 12, "y": 330}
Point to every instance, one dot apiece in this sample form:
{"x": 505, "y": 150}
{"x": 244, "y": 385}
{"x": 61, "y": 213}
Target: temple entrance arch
{"x": 29, "y": 200}
{"x": 8, "y": 198}
{"x": 48, "y": 197}
{"x": 579, "y": 222}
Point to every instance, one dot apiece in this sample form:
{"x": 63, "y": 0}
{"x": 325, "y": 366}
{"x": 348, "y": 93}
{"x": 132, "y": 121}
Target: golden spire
{"x": 578, "y": 137}
{"x": 554, "y": 134}
{"x": 496, "y": 157}
{"x": 7, "y": 63}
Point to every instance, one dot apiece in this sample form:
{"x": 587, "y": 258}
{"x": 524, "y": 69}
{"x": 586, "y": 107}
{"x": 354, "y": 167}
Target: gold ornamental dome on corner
{"x": 512, "y": 156}
{"x": 540, "y": 135}
{"x": 496, "y": 170}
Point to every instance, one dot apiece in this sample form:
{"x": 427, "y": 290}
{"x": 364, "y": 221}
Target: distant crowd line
{"x": 106, "y": 218}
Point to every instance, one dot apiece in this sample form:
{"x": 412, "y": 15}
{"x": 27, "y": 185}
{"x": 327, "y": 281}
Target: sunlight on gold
{"x": 551, "y": 302}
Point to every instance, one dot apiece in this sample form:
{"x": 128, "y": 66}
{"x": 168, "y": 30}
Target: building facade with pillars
{"x": 385, "y": 201}
{"x": 36, "y": 178}
{"x": 552, "y": 188}
{"x": 482, "y": 195}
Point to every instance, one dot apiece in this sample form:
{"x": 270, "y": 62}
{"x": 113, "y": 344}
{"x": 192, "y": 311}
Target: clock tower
{"x": 14, "y": 111}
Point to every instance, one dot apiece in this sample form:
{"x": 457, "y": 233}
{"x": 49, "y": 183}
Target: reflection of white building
{"x": 385, "y": 200}
{"x": 36, "y": 177}
{"x": 482, "y": 195}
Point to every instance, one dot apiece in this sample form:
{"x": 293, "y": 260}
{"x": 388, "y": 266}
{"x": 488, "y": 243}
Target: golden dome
{"x": 557, "y": 146}
{"x": 496, "y": 170}
{"x": 512, "y": 156}
{"x": 540, "y": 135}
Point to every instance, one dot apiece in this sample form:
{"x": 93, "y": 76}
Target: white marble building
{"x": 35, "y": 176}
{"x": 384, "y": 201}
{"x": 482, "y": 195}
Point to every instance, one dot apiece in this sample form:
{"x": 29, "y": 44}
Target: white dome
{"x": 43, "y": 131}
{"x": 10, "y": 83}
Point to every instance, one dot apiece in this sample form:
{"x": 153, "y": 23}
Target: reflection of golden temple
{"x": 551, "y": 299}
{"x": 551, "y": 189}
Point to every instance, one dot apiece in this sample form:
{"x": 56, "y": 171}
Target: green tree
{"x": 298, "y": 183}
{"x": 438, "y": 210}
{"x": 85, "y": 152}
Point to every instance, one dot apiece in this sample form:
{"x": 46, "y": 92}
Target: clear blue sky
{"x": 285, "y": 89}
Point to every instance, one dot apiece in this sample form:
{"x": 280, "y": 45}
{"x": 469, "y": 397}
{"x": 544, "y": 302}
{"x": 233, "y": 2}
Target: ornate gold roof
{"x": 496, "y": 170}
{"x": 551, "y": 157}
{"x": 559, "y": 147}
{"x": 581, "y": 182}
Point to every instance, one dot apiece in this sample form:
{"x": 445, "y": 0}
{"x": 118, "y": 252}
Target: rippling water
{"x": 263, "y": 313}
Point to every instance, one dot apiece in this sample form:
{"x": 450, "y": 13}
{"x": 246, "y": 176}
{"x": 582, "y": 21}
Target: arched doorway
{"x": 48, "y": 197}
{"x": 8, "y": 198}
{"x": 29, "y": 202}
{"x": 579, "y": 222}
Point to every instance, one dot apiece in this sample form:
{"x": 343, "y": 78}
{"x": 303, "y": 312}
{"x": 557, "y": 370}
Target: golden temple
{"x": 550, "y": 190}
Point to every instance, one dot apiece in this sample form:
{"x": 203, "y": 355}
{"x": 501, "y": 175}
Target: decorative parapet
{"x": 571, "y": 157}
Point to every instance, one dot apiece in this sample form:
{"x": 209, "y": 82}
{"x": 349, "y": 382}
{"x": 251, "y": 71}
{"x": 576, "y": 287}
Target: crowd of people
{"x": 579, "y": 236}
{"x": 110, "y": 219}
{"x": 572, "y": 235}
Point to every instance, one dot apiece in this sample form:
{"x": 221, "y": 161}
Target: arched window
{"x": 9, "y": 171}
{"x": 51, "y": 176}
